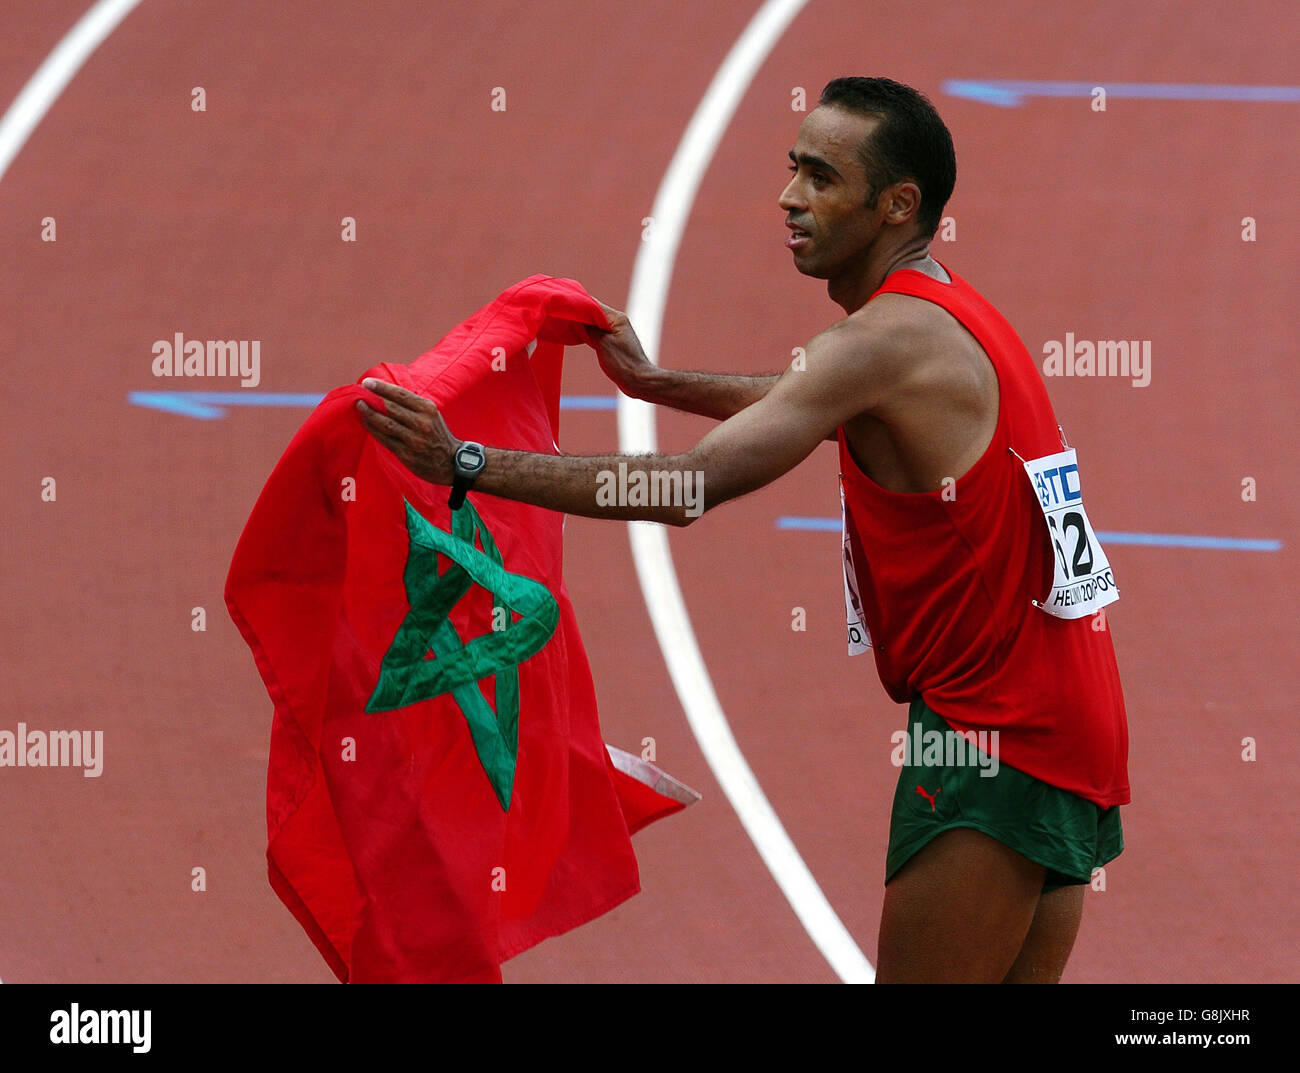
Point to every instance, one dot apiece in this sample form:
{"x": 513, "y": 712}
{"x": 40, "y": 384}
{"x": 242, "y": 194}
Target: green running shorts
{"x": 1066, "y": 834}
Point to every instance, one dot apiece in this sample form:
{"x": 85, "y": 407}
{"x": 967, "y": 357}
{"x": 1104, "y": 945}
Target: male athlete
{"x": 968, "y": 555}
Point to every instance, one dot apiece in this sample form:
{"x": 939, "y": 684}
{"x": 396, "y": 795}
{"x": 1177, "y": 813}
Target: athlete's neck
{"x": 927, "y": 265}
{"x": 852, "y": 293}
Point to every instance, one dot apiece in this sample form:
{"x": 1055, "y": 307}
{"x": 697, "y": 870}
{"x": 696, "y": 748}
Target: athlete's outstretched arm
{"x": 745, "y": 452}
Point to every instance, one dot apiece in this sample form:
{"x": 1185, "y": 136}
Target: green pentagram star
{"x": 406, "y": 677}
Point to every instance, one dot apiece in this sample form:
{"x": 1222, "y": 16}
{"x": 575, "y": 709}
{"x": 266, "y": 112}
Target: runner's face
{"x": 827, "y": 194}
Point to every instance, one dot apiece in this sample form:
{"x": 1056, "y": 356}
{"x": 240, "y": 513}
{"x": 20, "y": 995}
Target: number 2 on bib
{"x": 1082, "y": 581}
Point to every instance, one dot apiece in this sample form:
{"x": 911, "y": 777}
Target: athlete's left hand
{"x": 620, "y": 353}
{"x": 413, "y": 429}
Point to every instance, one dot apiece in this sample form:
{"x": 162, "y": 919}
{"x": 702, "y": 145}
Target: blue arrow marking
{"x": 1179, "y": 540}
{"x": 1157, "y": 540}
{"x": 820, "y": 525}
{"x": 207, "y": 405}
{"x": 1012, "y": 94}
{"x": 588, "y": 402}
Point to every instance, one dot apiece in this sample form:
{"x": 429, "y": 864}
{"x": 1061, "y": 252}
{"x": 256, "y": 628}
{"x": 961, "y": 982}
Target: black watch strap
{"x": 467, "y": 463}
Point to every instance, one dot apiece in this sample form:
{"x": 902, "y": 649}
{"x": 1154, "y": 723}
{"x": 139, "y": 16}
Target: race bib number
{"x": 859, "y": 637}
{"x": 1082, "y": 582}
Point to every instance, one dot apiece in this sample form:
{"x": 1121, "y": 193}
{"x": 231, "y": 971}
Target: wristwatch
{"x": 467, "y": 463}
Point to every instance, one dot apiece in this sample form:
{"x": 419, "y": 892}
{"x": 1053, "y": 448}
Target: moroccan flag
{"x": 439, "y": 797}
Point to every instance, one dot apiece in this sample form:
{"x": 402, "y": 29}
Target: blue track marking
{"x": 1012, "y": 94}
{"x": 209, "y": 405}
{"x": 1155, "y": 540}
{"x": 588, "y": 402}
{"x": 826, "y": 525}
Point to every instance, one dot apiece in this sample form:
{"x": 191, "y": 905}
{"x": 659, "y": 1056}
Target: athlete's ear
{"x": 902, "y": 202}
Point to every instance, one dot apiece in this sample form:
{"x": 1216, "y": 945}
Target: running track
{"x": 225, "y": 224}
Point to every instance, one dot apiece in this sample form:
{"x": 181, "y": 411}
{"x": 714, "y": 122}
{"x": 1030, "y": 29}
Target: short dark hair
{"x": 910, "y": 142}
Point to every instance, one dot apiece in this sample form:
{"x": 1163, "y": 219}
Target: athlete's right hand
{"x": 620, "y": 353}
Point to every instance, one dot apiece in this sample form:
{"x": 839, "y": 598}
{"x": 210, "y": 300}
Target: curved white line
{"x": 53, "y": 76}
{"x": 654, "y": 564}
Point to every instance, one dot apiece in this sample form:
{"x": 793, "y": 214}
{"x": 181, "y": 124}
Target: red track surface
{"x": 226, "y": 225}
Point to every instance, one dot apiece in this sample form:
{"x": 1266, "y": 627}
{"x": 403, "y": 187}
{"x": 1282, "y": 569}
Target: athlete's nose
{"x": 790, "y": 199}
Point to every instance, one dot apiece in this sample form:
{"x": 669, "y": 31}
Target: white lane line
{"x": 53, "y": 76}
{"x": 654, "y": 564}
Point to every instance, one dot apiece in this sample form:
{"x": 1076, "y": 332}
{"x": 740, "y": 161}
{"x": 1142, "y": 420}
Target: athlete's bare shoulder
{"x": 937, "y": 406}
{"x": 901, "y": 324}
{"x": 910, "y": 340}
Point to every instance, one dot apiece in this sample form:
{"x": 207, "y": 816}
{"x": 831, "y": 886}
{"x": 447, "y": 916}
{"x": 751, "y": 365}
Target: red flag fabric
{"x": 439, "y": 797}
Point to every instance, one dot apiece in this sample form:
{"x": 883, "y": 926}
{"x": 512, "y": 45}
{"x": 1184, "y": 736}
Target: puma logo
{"x": 929, "y": 797}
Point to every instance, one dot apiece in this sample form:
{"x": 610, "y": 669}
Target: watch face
{"x": 470, "y": 458}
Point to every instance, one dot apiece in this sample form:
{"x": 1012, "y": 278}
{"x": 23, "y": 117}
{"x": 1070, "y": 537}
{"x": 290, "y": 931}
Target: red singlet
{"x": 946, "y": 585}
